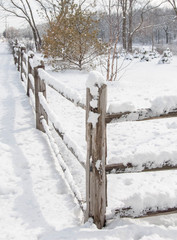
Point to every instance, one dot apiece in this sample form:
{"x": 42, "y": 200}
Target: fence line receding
{"x": 32, "y": 71}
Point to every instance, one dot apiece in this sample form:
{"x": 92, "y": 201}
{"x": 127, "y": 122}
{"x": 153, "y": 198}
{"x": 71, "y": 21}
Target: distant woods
{"x": 133, "y": 21}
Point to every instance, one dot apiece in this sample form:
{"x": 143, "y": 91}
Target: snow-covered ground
{"x": 35, "y": 200}
{"x": 143, "y": 85}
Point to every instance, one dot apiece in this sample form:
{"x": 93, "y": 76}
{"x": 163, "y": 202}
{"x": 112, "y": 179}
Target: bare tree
{"x": 22, "y": 9}
{"x": 51, "y": 9}
{"x": 134, "y": 8}
{"x": 173, "y": 4}
{"x": 124, "y": 6}
{"x": 131, "y": 8}
{"x": 11, "y": 33}
{"x": 112, "y": 20}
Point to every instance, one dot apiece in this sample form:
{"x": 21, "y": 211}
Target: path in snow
{"x": 34, "y": 198}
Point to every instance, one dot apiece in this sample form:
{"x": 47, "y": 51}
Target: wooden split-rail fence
{"x": 96, "y": 167}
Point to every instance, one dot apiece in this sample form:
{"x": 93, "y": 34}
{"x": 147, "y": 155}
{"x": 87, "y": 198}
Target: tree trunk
{"x": 124, "y": 34}
{"x": 124, "y": 23}
{"x": 130, "y": 27}
{"x": 166, "y": 35}
{"x": 130, "y": 43}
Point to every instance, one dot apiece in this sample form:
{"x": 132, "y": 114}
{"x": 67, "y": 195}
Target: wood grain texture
{"x": 139, "y": 115}
{"x": 96, "y": 160}
{"x": 40, "y": 86}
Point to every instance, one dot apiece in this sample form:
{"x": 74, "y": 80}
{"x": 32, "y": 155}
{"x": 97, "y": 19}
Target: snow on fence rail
{"x": 71, "y": 145}
{"x": 140, "y": 115}
{"x": 68, "y": 93}
{"x": 97, "y": 118}
{"x": 63, "y": 165}
{"x": 36, "y": 89}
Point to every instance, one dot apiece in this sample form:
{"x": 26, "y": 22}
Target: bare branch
{"x": 23, "y": 10}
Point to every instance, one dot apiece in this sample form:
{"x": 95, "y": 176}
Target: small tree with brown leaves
{"x": 72, "y": 38}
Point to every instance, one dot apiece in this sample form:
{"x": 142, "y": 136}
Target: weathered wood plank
{"x": 96, "y": 159}
{"x": 63, "y": 166}
{"x": 88, "y": 134}
{"x": 128, "y": 212}
{"x": 22, "y": 51}
{"x": 78, "y": 104}
{"x": 140, "y": 115}
{"x": 15, "y": 55}
{"x": 30, "y": 71}
{"x": 39, "y": 87}
{"x": 129, "y": 168}
{"x": 68, "y": 147}
{"x": 19, "y": 59}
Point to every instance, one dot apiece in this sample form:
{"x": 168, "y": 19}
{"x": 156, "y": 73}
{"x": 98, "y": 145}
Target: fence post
{"x": 30, "y": 71}
{"x": 23, "y": 50}
{"x": 19, "y": 58}
{"x": 15, "y": 52}
{"x": 96, "y": 192}
{"x": 40, "y": 86}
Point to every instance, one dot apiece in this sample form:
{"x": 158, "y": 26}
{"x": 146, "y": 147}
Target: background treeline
{"x": 159, "y": 28}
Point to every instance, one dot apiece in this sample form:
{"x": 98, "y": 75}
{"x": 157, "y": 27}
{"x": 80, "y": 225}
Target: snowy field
{"x": 35, "y": 200}
{"x": 143, "y": 85}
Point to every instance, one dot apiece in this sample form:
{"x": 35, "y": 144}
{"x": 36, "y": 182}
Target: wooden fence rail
{"x": 96, "y": 120}
{"x": 53, "y": 119}
{"x": 139, "y": 115}
{"x": 36, "y": 89}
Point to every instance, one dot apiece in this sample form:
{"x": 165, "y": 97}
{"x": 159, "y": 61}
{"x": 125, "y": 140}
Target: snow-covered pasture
{"x": 140, "y": 190}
